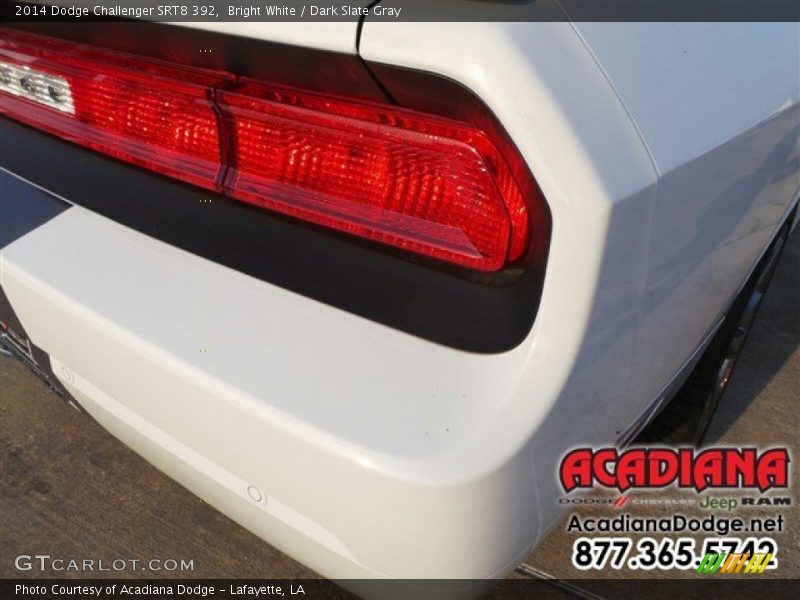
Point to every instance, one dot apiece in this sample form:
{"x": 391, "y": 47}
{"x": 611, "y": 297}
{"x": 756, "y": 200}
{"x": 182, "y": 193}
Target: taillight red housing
{"x": 423, "y": 183}
{"x": 151, "y": 114}
{"x": 435, "y": 187}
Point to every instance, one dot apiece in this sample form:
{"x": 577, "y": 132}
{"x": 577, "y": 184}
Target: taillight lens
{"x": 427, "y": 185}
{"x": 150, "y": 114}
{"x": 423, "y": 183}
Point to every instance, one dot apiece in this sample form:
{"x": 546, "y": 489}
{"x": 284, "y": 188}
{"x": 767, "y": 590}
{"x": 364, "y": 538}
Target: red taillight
{"x": 423, "y": 183}
{"x": 427, "y": 185}
{"x": 150, "y": 114}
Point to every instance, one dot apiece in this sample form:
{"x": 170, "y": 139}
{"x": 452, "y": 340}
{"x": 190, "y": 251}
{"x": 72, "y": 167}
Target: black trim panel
{"x": 358, "y": 277}
{"x": 23, "y": 208}
{"x": 38, "y": 361}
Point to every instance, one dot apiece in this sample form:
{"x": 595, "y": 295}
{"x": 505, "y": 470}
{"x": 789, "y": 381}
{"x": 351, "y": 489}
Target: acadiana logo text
{"x": 684, "y": 467}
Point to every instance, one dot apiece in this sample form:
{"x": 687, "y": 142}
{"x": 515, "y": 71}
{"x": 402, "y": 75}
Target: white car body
{"x": 668, "y": 155}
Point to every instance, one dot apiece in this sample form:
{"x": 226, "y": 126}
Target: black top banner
{"x": 404, "y": 10}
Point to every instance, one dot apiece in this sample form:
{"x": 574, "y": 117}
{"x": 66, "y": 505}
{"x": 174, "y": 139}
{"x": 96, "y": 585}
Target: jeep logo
{"x": 750, "y": 501}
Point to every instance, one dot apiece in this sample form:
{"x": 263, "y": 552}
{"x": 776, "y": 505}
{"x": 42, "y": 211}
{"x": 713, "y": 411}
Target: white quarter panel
{"x": 691, "y": 87}
{"x": 717, "y": 105}
{"x": 661, "y": 205}
{"x": 594, "y": 171}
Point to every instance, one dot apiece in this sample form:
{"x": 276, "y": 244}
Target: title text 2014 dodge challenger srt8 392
{"x": 361, "y": 285}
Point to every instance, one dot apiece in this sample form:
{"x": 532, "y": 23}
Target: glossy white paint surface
{"x": 355, "y": 433}
{"x": 386, "y": 455}
{"x": 599, "y": 181}
{"x": 691, "y": 87}
{"x": 686, "y": 191}
{"x": 717, "y": 105}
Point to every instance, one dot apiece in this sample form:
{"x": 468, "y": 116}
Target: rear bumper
{"x": 360, "y": 450}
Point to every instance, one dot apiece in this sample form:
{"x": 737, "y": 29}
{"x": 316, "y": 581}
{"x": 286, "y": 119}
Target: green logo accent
{"x": 711, "y": 562}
